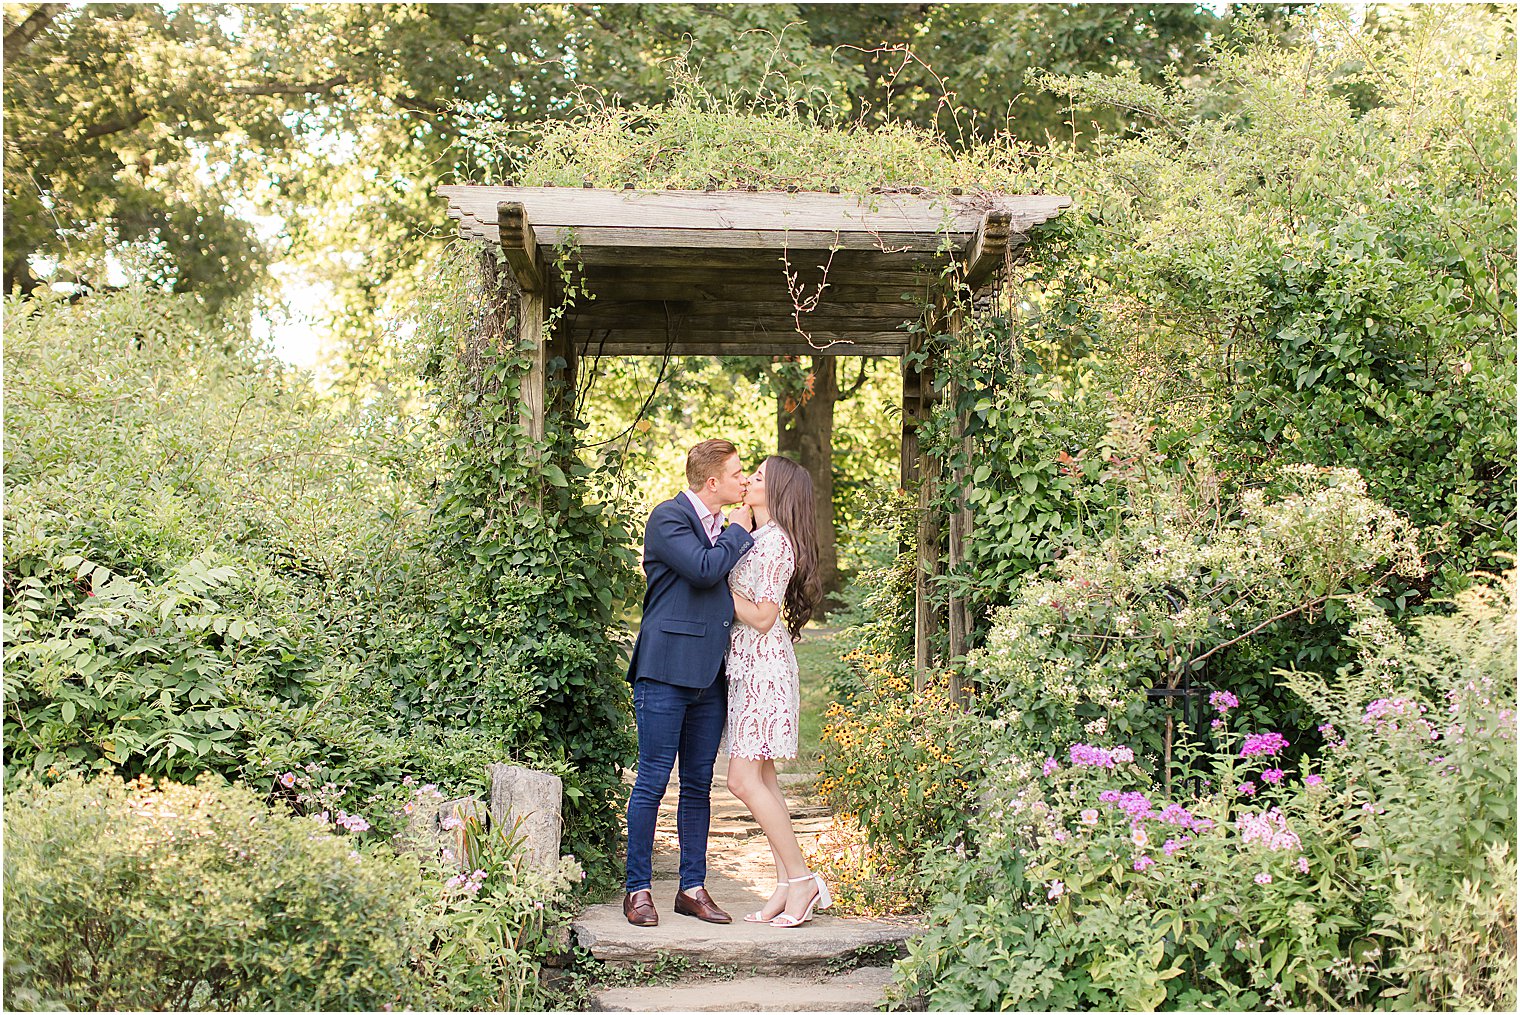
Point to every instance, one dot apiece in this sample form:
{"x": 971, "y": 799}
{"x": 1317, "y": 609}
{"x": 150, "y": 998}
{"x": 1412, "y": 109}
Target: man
{"x": 680, "y": 694}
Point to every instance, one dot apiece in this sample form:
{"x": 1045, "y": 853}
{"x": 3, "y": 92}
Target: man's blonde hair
{"x": 706, "y": 460}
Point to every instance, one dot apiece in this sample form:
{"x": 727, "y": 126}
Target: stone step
{"x": 860, "y": 989}
{"x": 823, "y": 943}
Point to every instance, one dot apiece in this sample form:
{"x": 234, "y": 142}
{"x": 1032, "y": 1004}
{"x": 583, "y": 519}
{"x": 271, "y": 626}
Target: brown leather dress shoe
{"x": 639, "y": 908}
{"x": 699, "y": 904}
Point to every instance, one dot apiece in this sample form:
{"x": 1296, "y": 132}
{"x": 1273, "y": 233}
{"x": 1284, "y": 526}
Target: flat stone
{"x": 860, "y": 989}
{"x": 608, "y": 936}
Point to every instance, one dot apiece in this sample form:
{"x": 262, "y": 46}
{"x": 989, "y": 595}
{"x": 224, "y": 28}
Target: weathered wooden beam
{"x": 922, "y": 214}
{"x": 907, "y": 294}
{"x": 530, "y": 331}
{"x": 641, "y": 237}
{"x": 595, "y": 344}
{"x": 809, "y": 263}
{"x": 863, "y": 314}
{"x": 520, "y": 245}
{"x": 989, "y": 247}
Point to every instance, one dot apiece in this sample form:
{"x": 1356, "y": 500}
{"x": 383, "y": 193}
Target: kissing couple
{"x": 724, "y": 604}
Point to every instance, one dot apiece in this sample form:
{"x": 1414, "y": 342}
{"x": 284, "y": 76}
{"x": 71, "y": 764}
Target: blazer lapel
{"x": 692, "y": 516}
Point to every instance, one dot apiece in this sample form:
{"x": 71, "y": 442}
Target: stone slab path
{"x": 833, "y": 963}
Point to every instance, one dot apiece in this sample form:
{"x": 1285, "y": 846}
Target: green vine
{"x": 536, "y": 560}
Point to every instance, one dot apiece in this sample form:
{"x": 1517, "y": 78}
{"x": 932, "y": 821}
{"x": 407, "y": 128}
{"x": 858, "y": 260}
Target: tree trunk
{"x": 806, "y": 435}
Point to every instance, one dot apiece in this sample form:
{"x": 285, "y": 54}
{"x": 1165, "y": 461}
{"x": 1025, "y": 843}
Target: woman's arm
{"x": 760, "y": 616}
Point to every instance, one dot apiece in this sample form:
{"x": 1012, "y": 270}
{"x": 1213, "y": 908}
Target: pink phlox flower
{"x": 1303, "y": 865}
{"x": 1272, "y": 775}
{"x": 1170, "y": 846}
{"x": 1217, "y": 724}
{"x": 1263, "y": 878}
{"x": 1263, "y": 743}
{"x": 1051, "y": 764}
{"x": 1060, "y": 835}
{"x": 1134, "y": 804}
{"x": 1056, "y": 890}
{"x": 1088, "y": 756}
{"x": 1123, "y": 755}
{"x": 1246, "y": 789}
{"x": 1108, "y": 796}
{"x": 1223, "y": 701}
{"x": 1142, "y": 862}
{"x": 1176, "y": 814}
{"x": 1269, "y": 829}
{"x": 1313, "y": 780}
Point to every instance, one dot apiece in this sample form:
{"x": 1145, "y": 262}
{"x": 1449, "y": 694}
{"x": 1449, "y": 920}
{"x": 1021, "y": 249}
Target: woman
{"x": 775, "y": 588}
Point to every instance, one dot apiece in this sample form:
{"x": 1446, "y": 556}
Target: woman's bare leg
{"x": 746, "y": 780}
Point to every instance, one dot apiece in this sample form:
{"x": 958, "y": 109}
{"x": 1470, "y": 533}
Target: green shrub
{"x": 904, "y": 763}
{"x": 493, "y": 923}
{"x": 210, "y": 568}
{"x": 129, "y": 896}
{"x": 1380, "y": 874}
{"x": 1178, "y": 583}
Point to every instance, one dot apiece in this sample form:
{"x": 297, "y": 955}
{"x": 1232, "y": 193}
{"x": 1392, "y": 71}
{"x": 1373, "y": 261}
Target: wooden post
{"x": 520, "y": 246}
{"x": 917, "y": 465}
{"x": 959, "y": 619}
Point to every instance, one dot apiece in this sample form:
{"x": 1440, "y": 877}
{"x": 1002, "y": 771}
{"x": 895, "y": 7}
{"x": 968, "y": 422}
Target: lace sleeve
{"x": 774, "y": 570}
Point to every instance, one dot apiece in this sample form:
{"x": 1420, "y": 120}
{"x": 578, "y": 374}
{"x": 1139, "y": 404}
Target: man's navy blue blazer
{"x": 688, "y": 610}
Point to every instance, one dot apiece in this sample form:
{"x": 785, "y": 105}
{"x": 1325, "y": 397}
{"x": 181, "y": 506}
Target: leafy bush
{"x": 493, "y": 923}
{"x": 535, "y": 561}
{"x": 123, "y": 895}
{"x": 1175, "y": 585}
{"x": 903, "y": 763}
{"x": 208, "y": 568}
{"x": 1308, "y": 255}
{"x": 1381, "y": 874}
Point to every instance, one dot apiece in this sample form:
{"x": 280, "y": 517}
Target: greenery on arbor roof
{"x": 698, "y": 142}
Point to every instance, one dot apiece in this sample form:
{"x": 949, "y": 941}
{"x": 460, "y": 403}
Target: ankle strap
{"x": 805, "y": 877}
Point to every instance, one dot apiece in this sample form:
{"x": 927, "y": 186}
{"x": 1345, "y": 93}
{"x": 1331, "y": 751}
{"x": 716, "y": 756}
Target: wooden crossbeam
{"x": 629, "y": 217}
{"x": 592, "y": 345}
{"x": 519, "y": 243}
{"x": 989, "y": 247}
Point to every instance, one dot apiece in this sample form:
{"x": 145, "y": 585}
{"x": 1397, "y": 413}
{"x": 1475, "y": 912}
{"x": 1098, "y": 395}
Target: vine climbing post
{"x": 959, "y": 521}
{"x": 918, "y": 466}
{"x": 520, "y": 246}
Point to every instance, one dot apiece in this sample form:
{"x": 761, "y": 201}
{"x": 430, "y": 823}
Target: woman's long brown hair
{"x": 789, "y": 498}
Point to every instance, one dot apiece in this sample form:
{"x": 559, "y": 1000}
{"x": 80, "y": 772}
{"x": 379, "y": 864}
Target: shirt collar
{"x": 705, "y": 516}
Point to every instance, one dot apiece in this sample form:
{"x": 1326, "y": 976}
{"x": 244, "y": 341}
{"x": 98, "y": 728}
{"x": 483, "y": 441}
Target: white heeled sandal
{"x": 820, "y": 900}
{"x": 755, "y": 917}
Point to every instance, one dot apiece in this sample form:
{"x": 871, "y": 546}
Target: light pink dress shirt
{"x": 712, "y": 524}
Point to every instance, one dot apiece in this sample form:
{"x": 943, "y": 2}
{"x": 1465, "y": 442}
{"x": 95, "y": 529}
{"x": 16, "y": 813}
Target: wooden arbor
{"x": 756, "y": 273}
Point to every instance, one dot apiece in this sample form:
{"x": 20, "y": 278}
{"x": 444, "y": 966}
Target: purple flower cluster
{"x": 1051, "y": 764}
{"x": 1134, "y": 804}
{"x": 1223, "y": 701}
{"x": 1385, "y": 715}
{"x": 1088, "y": 756}
{"x": 1263, "y": 744}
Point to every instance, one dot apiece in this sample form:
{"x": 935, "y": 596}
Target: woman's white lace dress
{"x": 763, "y": 702}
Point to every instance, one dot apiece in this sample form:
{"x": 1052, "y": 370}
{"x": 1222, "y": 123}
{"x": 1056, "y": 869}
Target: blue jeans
{"x": 684, "y": 722}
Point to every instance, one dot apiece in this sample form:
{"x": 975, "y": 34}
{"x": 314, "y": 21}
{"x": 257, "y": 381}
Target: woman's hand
{"x": 744, "y": 516}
